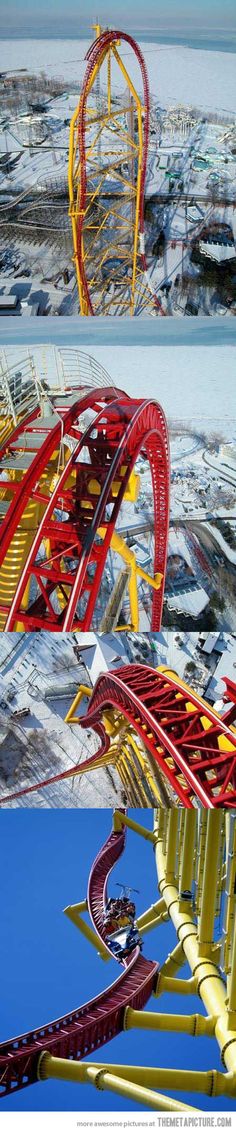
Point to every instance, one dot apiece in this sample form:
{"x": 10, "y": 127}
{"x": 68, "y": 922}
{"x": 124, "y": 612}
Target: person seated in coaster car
{"x": 119, "y": 912}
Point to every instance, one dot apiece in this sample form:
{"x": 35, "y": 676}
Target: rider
{"x": 119, "y": 913}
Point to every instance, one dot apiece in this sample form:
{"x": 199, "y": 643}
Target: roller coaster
{"x": 196, "y": 872}
{"x": 67, "y": 463}
{"x": 107, "y": 170}
{"x": 187, "y": 753}
{"x": 167, "y": 744}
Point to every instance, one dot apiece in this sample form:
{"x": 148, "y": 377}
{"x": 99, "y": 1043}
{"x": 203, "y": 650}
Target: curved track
{"x": 95, "y": 1023}
{"x": 194, "y": 748}
{"x": 90, "y": 185}
{"x": 59, "y": 486}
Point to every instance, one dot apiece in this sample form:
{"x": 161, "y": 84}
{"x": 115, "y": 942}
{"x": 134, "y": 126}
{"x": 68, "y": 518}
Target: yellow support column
{"x": 174, "y": 961}
{"x": 172, "y": 843}
{"x": 84, "y": 691}
{"x": 210, "y": 882}
{"x": 151, "y": 914}
{"x": 232, "y": 993}
{"x": 190, "y": 821}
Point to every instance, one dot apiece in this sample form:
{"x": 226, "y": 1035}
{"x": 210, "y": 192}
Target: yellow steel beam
{"x": 173, "y": 819}
{"x": 210, "y": 883}
{"x": 210, "y": 1082}
{"x": 232, "y": 992}
{"x": 174, "y": 961}
{"x": 152, "y": 913}
{"x": 149, "y": 774}
{"x": 186, "y": 875}
{"x": 120, "y": 820}
{"x": 73, "y": 913}
{"x": 134, "y": 773}
{"x": 103, "y": 1079}
{"x": 83, "y": 691}
{"x": 157, "y": 1021}
{"x": 175, "y": 986}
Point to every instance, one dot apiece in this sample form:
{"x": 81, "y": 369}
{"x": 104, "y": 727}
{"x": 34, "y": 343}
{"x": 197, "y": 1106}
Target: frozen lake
{"x": 177, "y": 74}
{"x": 195, "y": 384}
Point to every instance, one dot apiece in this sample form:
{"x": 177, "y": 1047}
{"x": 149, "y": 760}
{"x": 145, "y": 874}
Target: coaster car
{"x": 123, "y": 941}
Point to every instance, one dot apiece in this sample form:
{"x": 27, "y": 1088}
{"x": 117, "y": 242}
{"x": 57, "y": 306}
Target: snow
{"x": 176, "y": 74}
{"x": 225, "y": 667}
{"x": 191, "y": 603}
{"x": 42, "y": 677}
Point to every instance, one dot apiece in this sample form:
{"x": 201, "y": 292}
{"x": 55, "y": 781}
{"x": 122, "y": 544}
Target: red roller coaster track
{"x": 186, "y": 738}
{"x": 69, "y": 575}
{"x": 89, "y": 1027}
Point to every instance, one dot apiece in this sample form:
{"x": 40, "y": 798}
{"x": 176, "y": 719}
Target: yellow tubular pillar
{"x": 174, "y": 961}
{"x": 190, "y": 820}
{"x": 176, "y": 986}
{"x": 210, "y": 883}
{"x": 211, "y": 1082}
{"x": 210, "y": 985}
{"x": 157, "y": 1021}
{"x": 120, "y": 820}
{"x": 73, "y": 913}
{"x": 232, "y": 993}
{"x": 84, "y": 690}
{"x": 155, "y": 921}
{"x": 102, "y": 1079}
{"x": 151, "y": 914}
{"x": 172, "y": 843}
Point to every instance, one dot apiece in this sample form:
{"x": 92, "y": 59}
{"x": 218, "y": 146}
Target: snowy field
{"x": 176, "y": 74}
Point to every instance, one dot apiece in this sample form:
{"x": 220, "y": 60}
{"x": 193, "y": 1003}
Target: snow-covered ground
{"x": 41, "y": 679}
{"x": 176, "y": 74}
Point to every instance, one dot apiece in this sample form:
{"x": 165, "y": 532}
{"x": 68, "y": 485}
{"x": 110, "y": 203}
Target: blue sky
{"x": 168, "y": 14}
{"x": 48, "y": 968}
